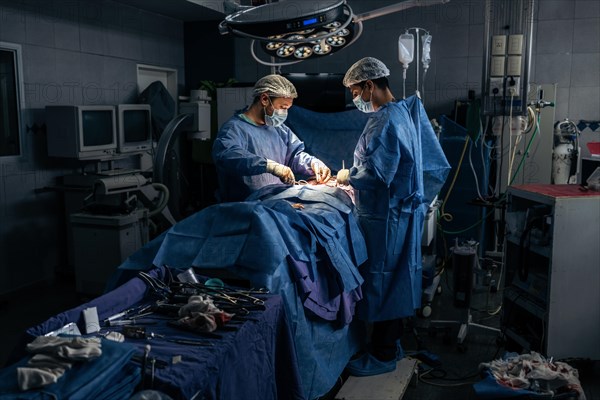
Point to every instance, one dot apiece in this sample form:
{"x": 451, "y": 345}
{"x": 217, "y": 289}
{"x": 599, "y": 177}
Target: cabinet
{"x": 552, "y": 256}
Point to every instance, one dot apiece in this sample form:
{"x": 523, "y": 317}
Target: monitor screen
{"x": 83, "y": 132}
{"x": 134, "y": 128}
{"x": 97, "y": 127}
{"x": 136, "y": 125}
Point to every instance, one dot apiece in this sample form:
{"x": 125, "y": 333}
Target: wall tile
{"x": 562, "y": 104}
{"x": 69, "y": 74}
{"x": 12, "y": 25}
{"x": 554, "y": 37}
{"x": 124, "y": 44}
{"x": 453, "y": 74}
{"x": 553, "y": 68}
{"x": 476, "y": 40}
{"x": 587, "y": 36}
{"x": 555, "y": 9}
{"x": 93, "y": 39}
{"x": 39, "y": 68}
{"x": 584, "y": 103}
{"x": 474, "y": 73}
{"x": 585, "y": 70}
{"x": 40, "y": 30}
{"x": 119, "y": 80}
{"x": 454, "y": 42}
{"x": 587, "y": 9}
{"x": 150, "y": 50}
{"x": 66, "y": 35}
{"x": 92, "y": 80}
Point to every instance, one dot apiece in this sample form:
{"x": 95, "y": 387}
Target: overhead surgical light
{"x": 295, "y": 30}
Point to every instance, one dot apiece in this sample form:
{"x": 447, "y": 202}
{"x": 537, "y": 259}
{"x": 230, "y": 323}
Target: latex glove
{"x": 343, "y": 177}
{"x": 281, "y": 171}
{"x": 322, "y": 172}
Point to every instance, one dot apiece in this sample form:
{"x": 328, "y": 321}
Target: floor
{"x": 458, "y": 370}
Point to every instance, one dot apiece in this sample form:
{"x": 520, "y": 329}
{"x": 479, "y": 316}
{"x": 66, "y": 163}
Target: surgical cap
{"x": 365, "y": 69}
{"x": 276, "y": 86}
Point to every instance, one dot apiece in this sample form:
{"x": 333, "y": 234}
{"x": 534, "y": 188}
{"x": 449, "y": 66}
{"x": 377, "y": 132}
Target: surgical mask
{"x": 278, "y": 117}
{"x": 364, "y": 106}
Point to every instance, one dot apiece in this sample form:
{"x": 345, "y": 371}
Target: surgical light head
{"x": 293, "y": 31}
{"x": 365, "y": 69}
{"x": 276, "y": 86}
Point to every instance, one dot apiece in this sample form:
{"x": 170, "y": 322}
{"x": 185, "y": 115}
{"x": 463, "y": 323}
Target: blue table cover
{"x": 256, "y": 361}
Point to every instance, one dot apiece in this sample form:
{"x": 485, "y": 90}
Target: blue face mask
{"x": 364, "y": 106}
{"x": 278, "y": 117}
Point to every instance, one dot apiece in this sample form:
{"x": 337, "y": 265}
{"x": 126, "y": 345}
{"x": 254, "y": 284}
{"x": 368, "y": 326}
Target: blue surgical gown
{"x": 240, "y": 153}
{"x": 391, "y": 202}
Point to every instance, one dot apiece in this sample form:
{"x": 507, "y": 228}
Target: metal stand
{"x": 465, "y": 269}
{"x": 465, "y": 325}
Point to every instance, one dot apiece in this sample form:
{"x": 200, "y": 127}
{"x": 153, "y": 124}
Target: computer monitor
{"x": 134, "y": 128}
{"x": 81, "y": 132}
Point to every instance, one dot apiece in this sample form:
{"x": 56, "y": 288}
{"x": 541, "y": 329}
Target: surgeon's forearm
{"x": 244, "y": 165}
{"x": 301, "y": 163}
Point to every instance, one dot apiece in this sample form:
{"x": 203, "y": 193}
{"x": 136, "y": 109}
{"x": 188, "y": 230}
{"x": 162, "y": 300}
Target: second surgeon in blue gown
{"x": 398, "y": 167}
{"x": 255, "y": 148}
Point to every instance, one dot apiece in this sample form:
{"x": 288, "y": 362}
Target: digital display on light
{"x": 309, "y": 21}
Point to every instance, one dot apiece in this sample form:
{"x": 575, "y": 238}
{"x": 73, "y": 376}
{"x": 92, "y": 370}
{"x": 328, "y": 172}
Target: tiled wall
{"x": 74, "y": 52}
{"x": 566, "y": 51}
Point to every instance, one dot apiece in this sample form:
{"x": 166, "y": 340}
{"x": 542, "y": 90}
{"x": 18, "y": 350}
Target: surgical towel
{"x": 85, "y": 380}
{"x": 52, "y": 357}
{"x": 520, "y": 375}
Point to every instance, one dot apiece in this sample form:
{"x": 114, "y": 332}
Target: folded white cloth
{"x": 71, "y": 348}
{"x": 52, "y": 356}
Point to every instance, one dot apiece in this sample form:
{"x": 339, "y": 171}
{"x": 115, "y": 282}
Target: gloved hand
{"x": 343, "y": 177}
{"x": 322, "y": 172}
{"x": 281, "y": 171}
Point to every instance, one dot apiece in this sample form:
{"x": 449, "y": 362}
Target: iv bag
{"x": 426, "y": 50}
{"x": 406, "y": 48}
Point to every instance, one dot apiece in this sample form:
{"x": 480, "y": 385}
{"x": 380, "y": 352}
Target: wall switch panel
{"x": 497, "y": 66}
{"x": 498, "y": 45}
{"x": 513, "y": 67}
{"x": 515, "y": 44}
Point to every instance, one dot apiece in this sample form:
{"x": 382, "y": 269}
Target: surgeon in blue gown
{"x": 398, "y": 166}
{"x": 255, "y": 148}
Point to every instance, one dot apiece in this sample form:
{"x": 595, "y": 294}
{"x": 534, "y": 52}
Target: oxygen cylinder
{"x": 562, "y": 157}
{"x": 564, "y": 154}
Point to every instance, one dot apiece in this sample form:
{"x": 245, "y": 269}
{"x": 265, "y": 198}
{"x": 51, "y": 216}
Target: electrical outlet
{"x": 513, "y": 85}
{"x": 496, "y": 86}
